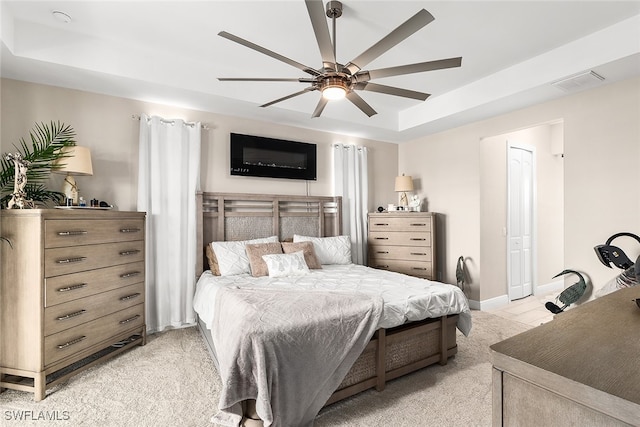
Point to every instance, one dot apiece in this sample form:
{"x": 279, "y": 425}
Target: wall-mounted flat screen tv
{"x": 272, "y": 158}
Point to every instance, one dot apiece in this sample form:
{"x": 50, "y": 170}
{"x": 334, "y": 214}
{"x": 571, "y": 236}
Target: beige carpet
{"x": 172, "y": 382}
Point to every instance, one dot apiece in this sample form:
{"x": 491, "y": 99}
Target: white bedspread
{"x": 405, "y": 298}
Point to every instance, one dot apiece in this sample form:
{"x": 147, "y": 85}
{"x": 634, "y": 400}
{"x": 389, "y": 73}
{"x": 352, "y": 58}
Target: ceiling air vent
{"x": 580, "y": 81}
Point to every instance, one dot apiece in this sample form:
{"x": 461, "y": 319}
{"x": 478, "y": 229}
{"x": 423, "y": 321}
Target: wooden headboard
{"x": 235, "y": 216}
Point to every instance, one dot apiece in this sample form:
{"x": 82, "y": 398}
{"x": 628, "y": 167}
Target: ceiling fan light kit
{"x": 334, "y": 88}
{"x": 335, "y": 80}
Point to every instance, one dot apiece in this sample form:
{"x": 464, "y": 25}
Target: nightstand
{"x": 403, "y": 242}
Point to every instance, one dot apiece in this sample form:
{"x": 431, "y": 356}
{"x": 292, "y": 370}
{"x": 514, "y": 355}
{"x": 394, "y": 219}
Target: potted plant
{"x": 47, "y": 141}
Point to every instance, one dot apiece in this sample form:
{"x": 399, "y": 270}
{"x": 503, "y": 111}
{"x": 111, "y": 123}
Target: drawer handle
{"x": 417, "y": 238}
{"x": 132, "y": 252}
{"x": 382, "y": 266}
{"x": 382, "y": 252}
{"x": 72, "y": 287}
{"x": 381, "y": 223}
{"x": 129, "y": 230}
{"x": 131, "y": 319}
{"x": 417, "y": 253}
{"x": 71, "y": 260}
{"x": 132, "y": 296}
{"x": 71, "y": 315}
{"x": 131, "y": 274}
{"x": 418, "y": 225}
{"x": 72, "y": 233}
{"x": 382, "y": 238}
{"x": 419, "y": 268}
{"x": 72, "y": 342}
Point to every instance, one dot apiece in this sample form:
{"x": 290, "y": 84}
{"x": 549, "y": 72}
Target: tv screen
{"x": 272, "y": 158}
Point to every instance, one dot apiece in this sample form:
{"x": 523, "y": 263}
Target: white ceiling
{"x": 169, "y": 52}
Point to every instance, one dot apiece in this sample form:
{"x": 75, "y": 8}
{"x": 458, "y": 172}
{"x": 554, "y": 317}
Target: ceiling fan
{"x": 336, "y": 80}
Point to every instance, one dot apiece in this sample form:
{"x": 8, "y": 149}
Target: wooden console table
{"x": 582, "y": 368}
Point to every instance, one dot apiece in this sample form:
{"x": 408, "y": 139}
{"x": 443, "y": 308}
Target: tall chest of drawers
{"x": 72, "y": 292}
{"x": 403, "y": 242}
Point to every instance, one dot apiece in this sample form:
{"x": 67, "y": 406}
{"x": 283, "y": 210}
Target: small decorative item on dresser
{"x": 19, "y": 196}
{"x": 415, "y": 204}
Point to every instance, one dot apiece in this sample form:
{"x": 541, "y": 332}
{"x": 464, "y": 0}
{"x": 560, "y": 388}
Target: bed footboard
{"x": 395, "y": 352}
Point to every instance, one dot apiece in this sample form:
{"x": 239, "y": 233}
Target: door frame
{"x": 534, "y": 216}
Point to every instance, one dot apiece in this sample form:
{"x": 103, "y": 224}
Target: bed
{"x": 408, "y": 323}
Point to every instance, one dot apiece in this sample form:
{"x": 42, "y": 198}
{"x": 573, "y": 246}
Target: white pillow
{"x": 232, "y": 256}
{"x": 330, "y": 250}
{"x": 282, "y": 265}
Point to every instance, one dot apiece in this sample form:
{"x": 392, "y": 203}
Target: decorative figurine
{"x": 415, "y": 203}
{"x": 19, "y": 196}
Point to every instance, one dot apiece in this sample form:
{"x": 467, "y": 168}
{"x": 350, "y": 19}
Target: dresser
{"x": 403, "y": 242}
{"x": 579, "y": 369}
{"x": 72, "y": 292}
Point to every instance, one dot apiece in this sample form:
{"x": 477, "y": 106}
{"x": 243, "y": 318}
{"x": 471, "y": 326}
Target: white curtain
{"x": 352, "y": 183}
{"x": 168, "y": 178}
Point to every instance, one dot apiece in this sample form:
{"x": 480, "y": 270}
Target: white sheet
{"x": 406, "y": 298}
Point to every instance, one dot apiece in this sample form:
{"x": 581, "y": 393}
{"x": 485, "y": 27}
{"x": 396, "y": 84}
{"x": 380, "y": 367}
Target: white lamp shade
{"x": 404, "y": 183}
{"x": 77, "y": 161}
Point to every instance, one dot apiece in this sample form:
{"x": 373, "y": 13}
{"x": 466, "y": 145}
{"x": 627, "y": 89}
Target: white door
{"x": 520, "y": 222}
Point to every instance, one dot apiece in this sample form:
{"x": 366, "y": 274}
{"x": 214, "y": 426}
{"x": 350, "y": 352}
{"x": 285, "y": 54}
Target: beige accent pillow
{"x": 308, "y": 251}
{"x": 213, "y": 261}
{"x": 255, "y": 252}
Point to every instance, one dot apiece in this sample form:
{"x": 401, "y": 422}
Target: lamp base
{"x": 403, "y": 200}
{"x": 70, "y": 188}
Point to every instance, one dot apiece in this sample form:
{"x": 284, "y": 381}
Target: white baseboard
{"x": 554, "y": 287}
{"x": 489, "y": 304}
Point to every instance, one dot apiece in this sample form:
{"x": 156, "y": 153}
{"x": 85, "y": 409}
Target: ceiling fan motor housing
{"x": 334, "y": 9}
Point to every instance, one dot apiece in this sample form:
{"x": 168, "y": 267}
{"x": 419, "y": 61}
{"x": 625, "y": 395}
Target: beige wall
{"x": 105, "y": 124}
{"x": 601, "y": 151}
{"x": 549, "y": 197}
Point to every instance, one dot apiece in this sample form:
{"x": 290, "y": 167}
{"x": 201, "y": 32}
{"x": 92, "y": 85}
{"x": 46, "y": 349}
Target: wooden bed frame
{"x": 391, "y": 353}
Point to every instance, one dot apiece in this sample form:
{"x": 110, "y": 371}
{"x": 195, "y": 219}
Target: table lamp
{"x": 76, "y": 161}
{"x": 404, "y": 184}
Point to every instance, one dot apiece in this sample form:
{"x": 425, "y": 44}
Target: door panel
{"x": 520, "y": 232}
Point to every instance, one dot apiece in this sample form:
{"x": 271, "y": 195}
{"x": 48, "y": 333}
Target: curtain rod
{"x": 170, "y": 122}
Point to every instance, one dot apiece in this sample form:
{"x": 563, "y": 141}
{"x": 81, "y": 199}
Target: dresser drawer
{"x": 404, "y": 223}
{"x": 61, "y": 289}
{"x": 73, "y": 313}
{"x": 403, "y": 238}
{"x": 62, "y": 233}
{"x": 64, "y": 260}
{"x": 73, "y": 340}
{"x": 409, "y": 253}
{"x": 412, "y": 268}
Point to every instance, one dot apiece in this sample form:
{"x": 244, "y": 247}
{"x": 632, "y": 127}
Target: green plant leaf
{"x": 45, "y": 148}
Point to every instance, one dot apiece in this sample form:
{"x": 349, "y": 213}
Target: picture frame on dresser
{"x": 72, "y": 293}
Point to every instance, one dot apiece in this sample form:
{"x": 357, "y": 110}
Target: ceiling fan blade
{"x": 321, "y": 104}
{"x": 267, "y": 79}
{"x": 268, "y": 52}
{"x": 321, "y": 30}
{"x": 403, "y": 31}
{"x": 361, "y": 104}
{"x": 389, "y": 90}
{"x": 284, "y": 98}
{"x": 409, "y": 69}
